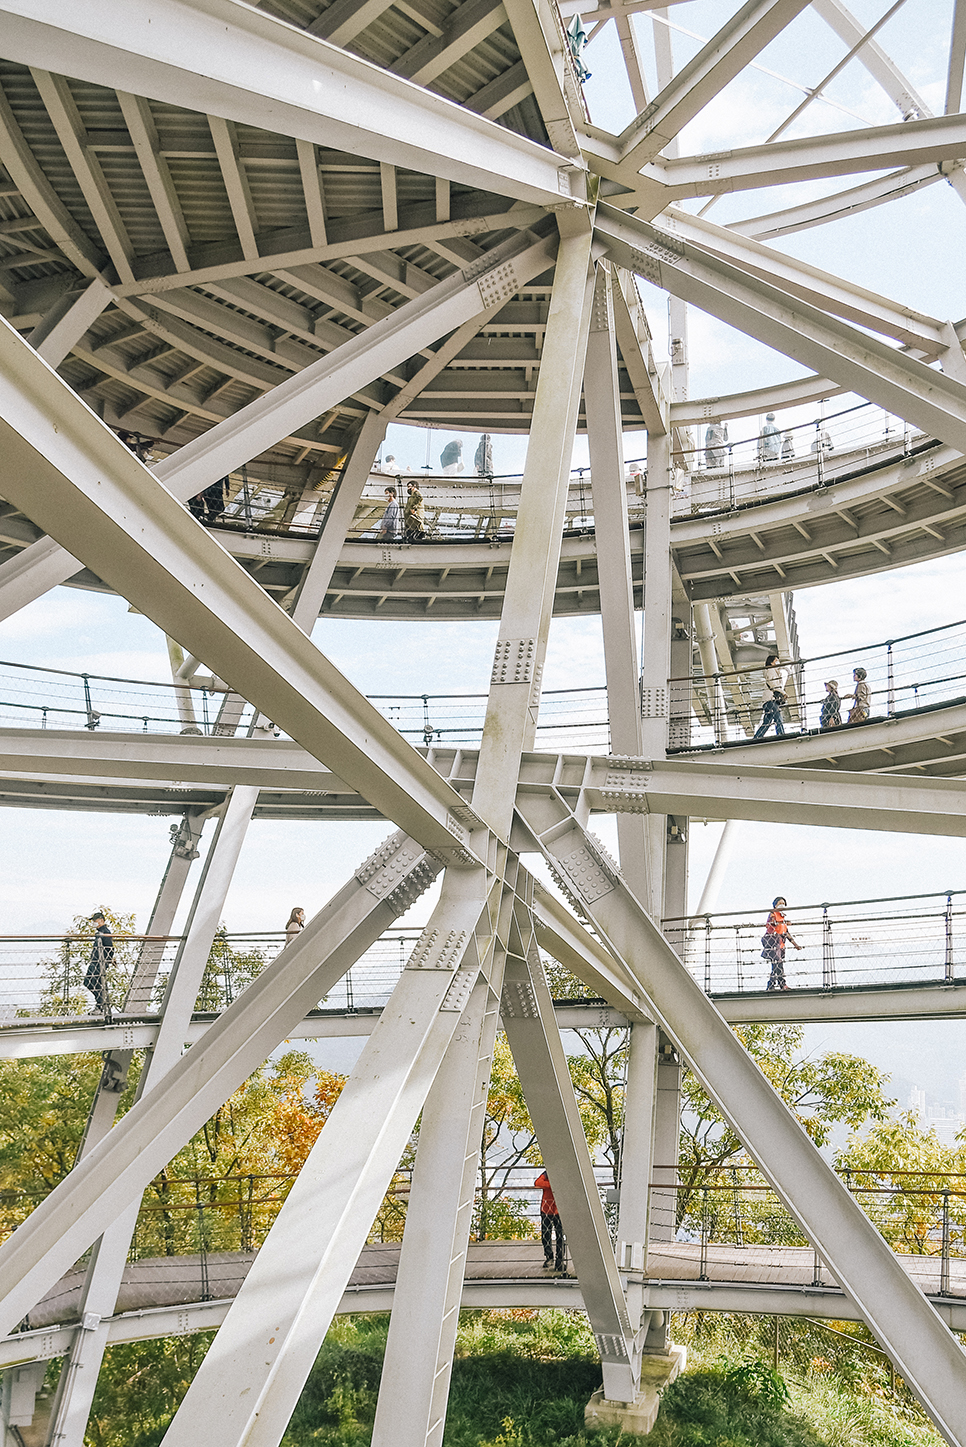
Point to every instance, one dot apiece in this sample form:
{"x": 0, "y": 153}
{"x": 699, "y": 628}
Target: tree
{"x": 835, "y": 1088}
{"x": 909, "y": 1183}
{"x": 222, "y": 1191}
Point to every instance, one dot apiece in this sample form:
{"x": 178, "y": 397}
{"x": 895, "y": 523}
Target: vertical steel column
{"x": 415, "y": 1383}
{"x": 511, "y": 714}
{"x": 538, "y": 1052}
{"x": 602, "y": 402}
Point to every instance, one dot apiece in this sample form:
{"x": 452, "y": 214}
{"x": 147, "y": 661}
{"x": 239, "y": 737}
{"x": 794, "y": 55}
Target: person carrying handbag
{"x": 774, "y": 940}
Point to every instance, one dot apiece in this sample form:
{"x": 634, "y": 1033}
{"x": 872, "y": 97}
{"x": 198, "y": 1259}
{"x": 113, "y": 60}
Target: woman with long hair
{"x": 296, "y": 923}
{"x": 774, "y": 940}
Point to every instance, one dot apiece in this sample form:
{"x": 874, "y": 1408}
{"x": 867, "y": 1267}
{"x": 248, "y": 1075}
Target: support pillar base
{"x": 639, "y": 1416}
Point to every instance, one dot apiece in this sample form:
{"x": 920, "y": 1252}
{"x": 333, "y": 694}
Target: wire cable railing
{"x": 726, "y": 1223}
{"x": 896, "y": 942}
{"x": 859, "y": 944}
{"x": 47, "y": 978}
{"x": 918, "y": 671}
{"x": 711, "y": 474}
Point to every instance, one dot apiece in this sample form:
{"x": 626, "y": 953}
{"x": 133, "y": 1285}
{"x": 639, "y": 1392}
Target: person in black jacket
{"x": 102, "y": 957}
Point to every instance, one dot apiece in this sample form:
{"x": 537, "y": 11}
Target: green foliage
{"x": 731, "y": 1406}
{"x": 838, "y": 1380}
{"x": 43, "y": 1109}
{"x": 522, "y": 1378}
{"x": 912, "y": 1166}
{"x": 139, "y": 1388}
{"x": 833, "y": 1089}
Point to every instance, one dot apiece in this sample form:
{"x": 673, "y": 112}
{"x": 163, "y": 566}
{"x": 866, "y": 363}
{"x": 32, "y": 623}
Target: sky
{"x": 56, "y": 865}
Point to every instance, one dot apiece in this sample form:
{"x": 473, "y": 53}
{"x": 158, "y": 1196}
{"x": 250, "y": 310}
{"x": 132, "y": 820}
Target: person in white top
{"x": 296, "y": 923}
{"x": 774, "y": 699}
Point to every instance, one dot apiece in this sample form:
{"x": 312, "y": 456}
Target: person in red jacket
{"x": 550, "y": 1226}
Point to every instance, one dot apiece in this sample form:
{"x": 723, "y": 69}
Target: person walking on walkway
{"x": 388, "y": 528}
{"x": 296, "y": 923}
{"x": 102, "y": 957}
{"x": 550, "y": 1227}
{"x": 774, "y": 699}
{"x": 774, "y": 940}
{"x": 414, "y": 516}
{"x": 831, "y": 715}
{"x": 862, "y": 697}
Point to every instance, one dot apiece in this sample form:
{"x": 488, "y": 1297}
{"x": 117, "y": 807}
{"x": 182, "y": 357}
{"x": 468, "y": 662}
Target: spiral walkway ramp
{"x": 237, "y": 242}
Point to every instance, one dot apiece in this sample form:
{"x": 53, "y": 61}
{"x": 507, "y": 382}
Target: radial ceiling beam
{"x": 470, "y": 23}
{"x": 737, "y": 43}
{"x": 827, "y": 345}
{"x": 540, "y": 38}
{"x": 821, "y": 288}
{"x": 347, "y": 237}
{"x": 140, "y": 123}
{"x": 229, "y": 60}
{"x": 810, "y": 158}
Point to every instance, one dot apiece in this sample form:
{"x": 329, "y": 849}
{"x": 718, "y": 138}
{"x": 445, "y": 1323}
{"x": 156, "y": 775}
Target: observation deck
{"x": 884, "y": 496}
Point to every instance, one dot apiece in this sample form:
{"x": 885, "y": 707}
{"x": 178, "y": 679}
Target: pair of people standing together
{"x": 414, "y": 516}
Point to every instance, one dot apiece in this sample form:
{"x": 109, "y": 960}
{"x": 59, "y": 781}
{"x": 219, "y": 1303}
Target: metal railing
{"x": 708, "y": 477}
{"x": 909, "y": 940}
{"x": 918, "y": 671}
{"x": 730, "y": 1224}
{"x": 900, "y": 941}
{"x": 42, "y": 976}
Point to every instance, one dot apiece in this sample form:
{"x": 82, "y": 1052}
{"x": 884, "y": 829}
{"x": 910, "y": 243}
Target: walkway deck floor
{"x": 180, "y": 1280}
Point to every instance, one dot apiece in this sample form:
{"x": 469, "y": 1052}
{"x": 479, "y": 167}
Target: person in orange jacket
{"x": 550, "y": 1226}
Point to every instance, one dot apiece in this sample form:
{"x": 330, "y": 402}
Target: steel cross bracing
{"x": 370, "y": 199}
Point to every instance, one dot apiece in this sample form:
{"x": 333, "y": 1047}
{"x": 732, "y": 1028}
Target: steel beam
{"x": 234, "y": 62}
{"x": 828, "y": 345}
{"x": 67, "y": 321}
{"x": 820, "y": 288}
{"x": 871, "y": 55}
{"x": 249, "y": 1383}
{"x": 541, "y": 1064}
{"x": 926, "y": 1353}
{"x": 293, "y": 403}
{"x": 736, "y": 43}
{"x": 511, "y": 715}
{"x": 872, "y": 148}
{"x": 70, "y": 473}
{"x": 121, "y": 1166}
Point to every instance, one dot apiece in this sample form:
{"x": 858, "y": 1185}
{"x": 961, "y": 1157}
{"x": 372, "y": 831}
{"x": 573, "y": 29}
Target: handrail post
{"x": 944, "y": 1272}
{"x": 705, "y": 1232}
{"x": 707, "y": 954}
{"x": 731, "y": 476}
{"x": 828, "y": 952}
{"x": 891, "y": 677}
{"x": 949, "y": 937}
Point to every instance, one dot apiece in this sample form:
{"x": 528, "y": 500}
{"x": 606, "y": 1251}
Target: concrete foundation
{"x": 639, "y": 1416}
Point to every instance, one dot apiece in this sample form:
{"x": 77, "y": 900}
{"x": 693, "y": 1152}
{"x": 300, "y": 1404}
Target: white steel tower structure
{"x": 260, "y": 233}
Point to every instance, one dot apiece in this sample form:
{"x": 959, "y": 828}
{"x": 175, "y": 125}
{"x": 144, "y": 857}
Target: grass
{"x": 522, "y": 1378}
